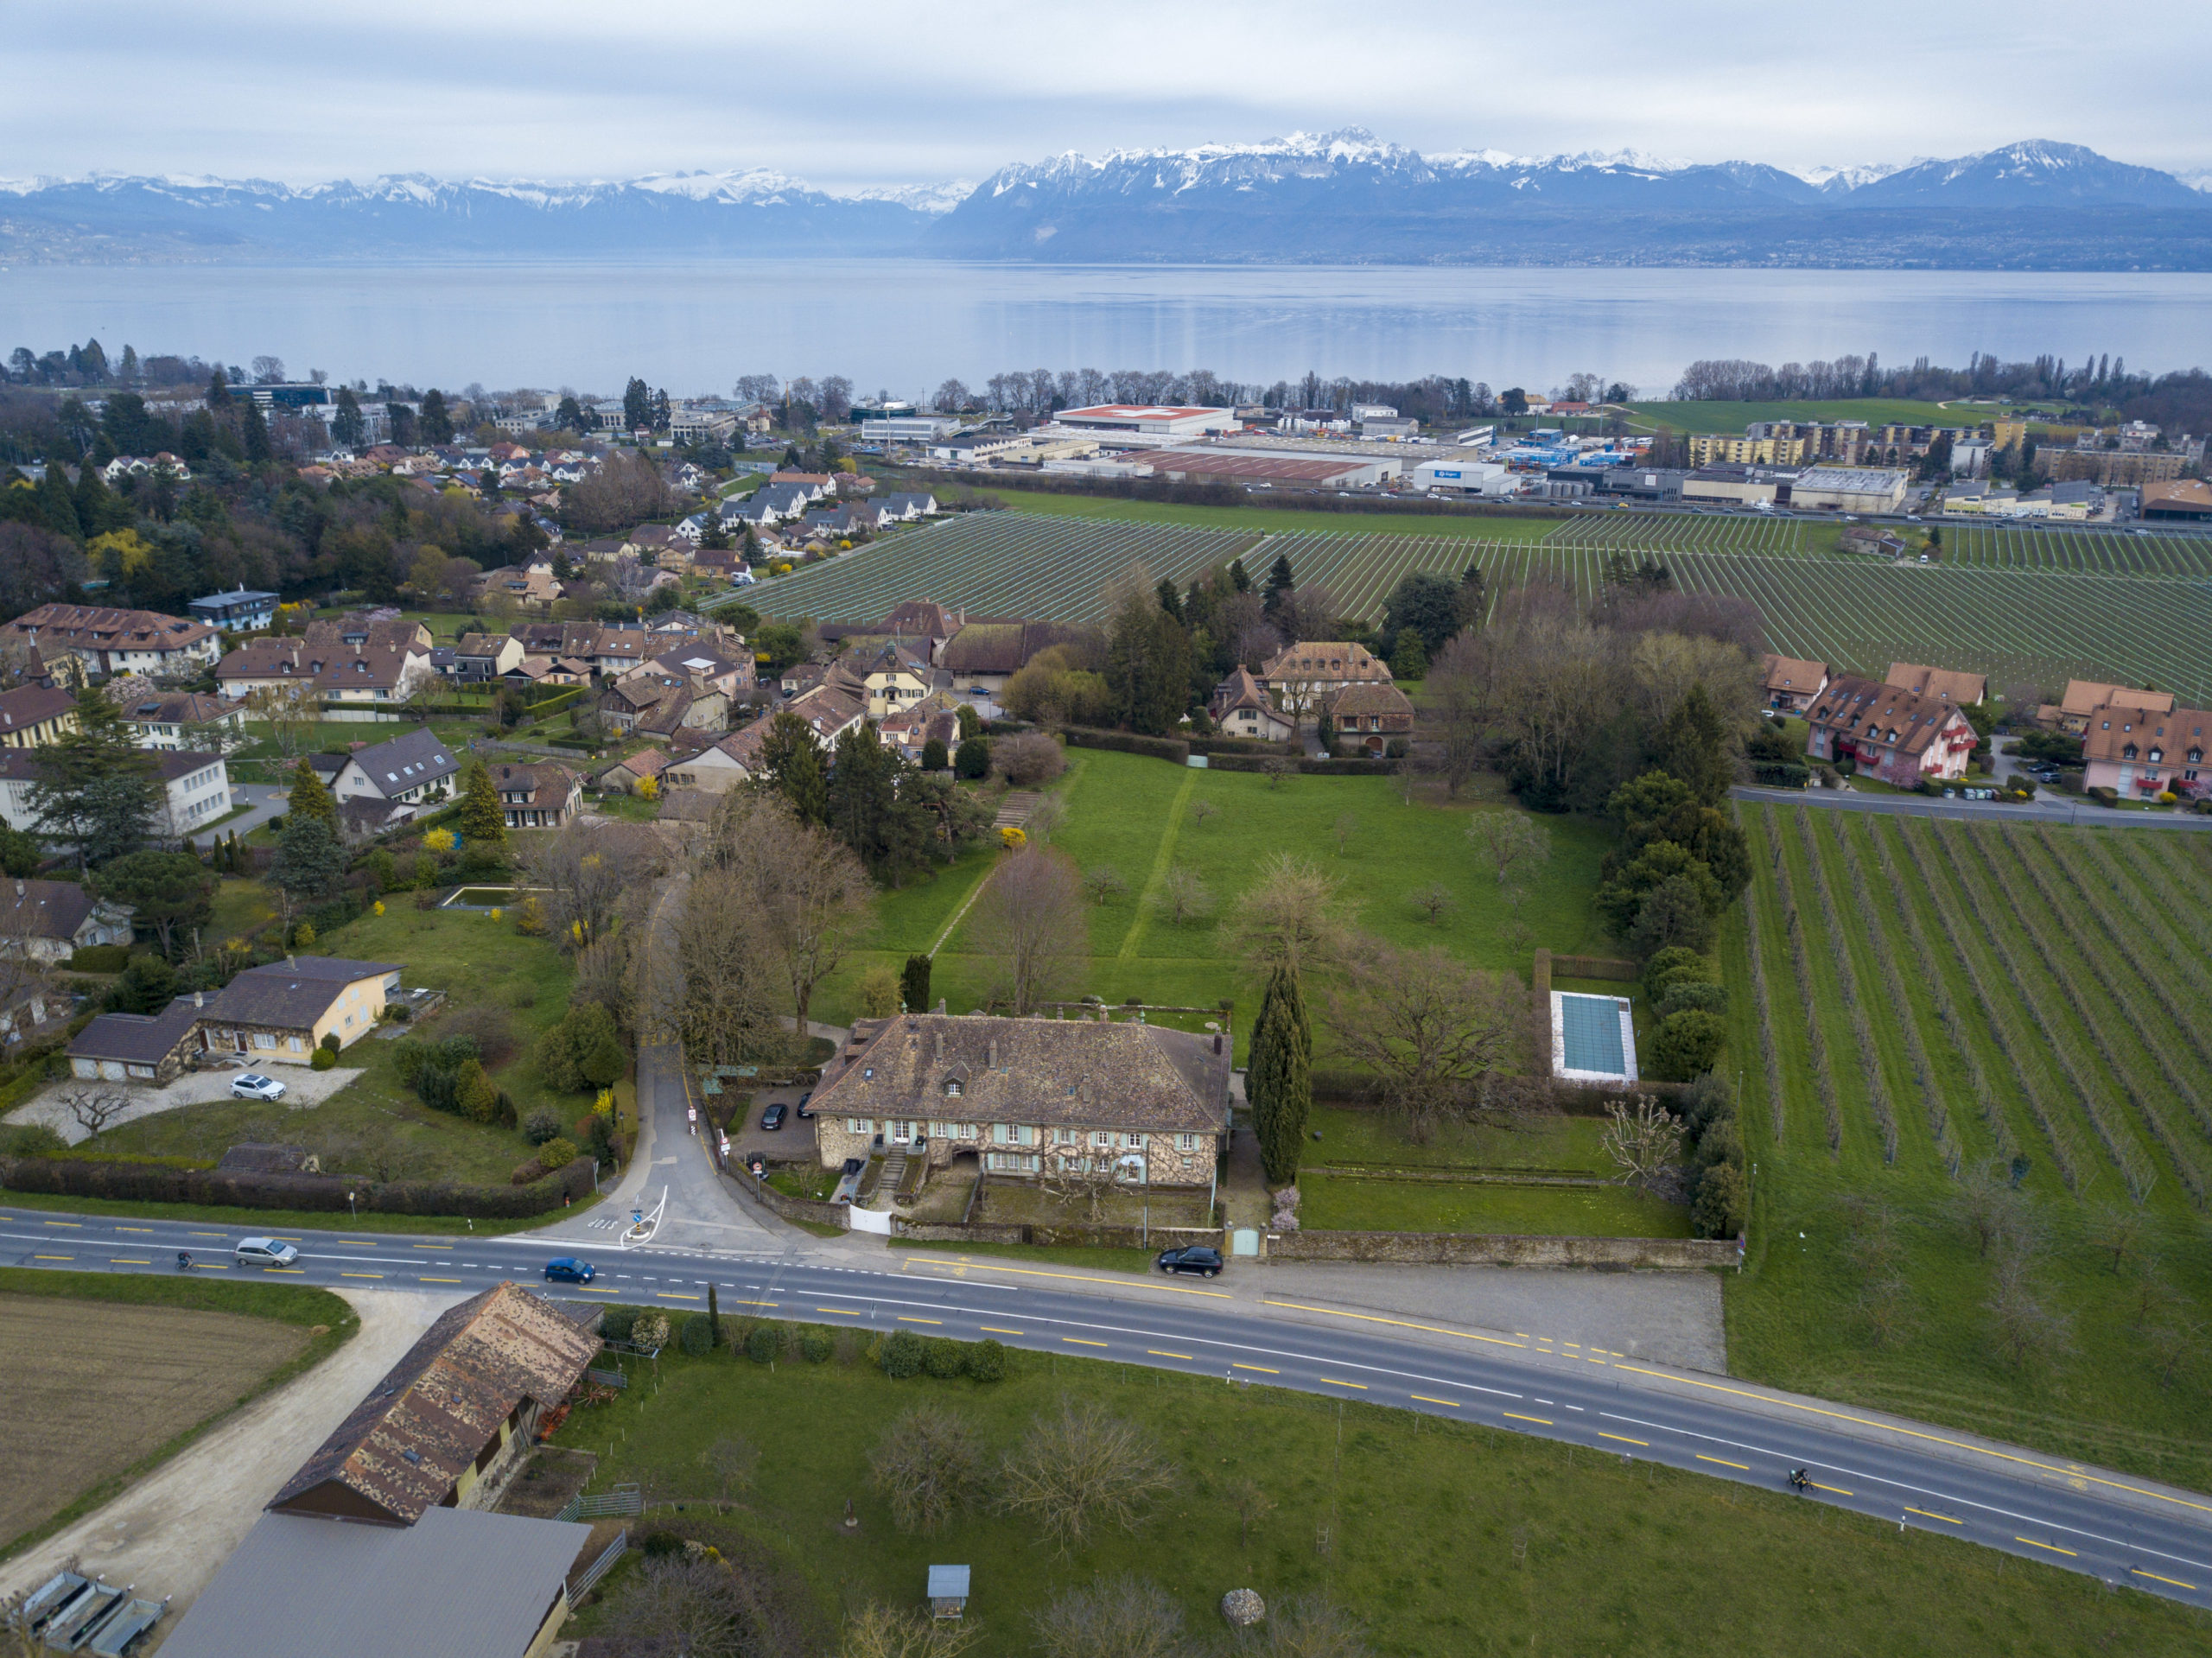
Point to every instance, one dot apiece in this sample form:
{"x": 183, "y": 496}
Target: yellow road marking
{"x": 1079, "y": 1341}
{"x": 1157, "y": 1352}
{"x": 80, "y": 1223}
{"x": 429, "y": 1246}
{"x": 2053, "y": 1547}
{"x": 203, "y": 1234}
{"x": 1724, "y": 1462}
{"x": 998, "y": 1329}
{"x": 1088, "y": 1278}
{"x": 360, "y": 1274}
{"x": 357, "y": 1243}
{"x": 211, "y": 1266}
{"x": 674, "y": 1295}
{"x": 850, "y": 1312}
{"x": 1625, "y": 1439}
{"x": 739, "y": 1300}
{"x": 1570, "y": 1344}
{"x": 296, "y": 1271}
{"x": 53, "y": 1257}
{"x": 1261, "y": 1369}
{"x": 1426, "y": 1399}
{"x": 1916, "y": 1433}
{"x": 127, "y": 1260}
{"x": 904, "y": 1319}
{"x": 2155, "y": 1577}
{"x": 1544, "y": 1421}
{"x": 134, "y": 1228}
{"x": 1402, "y": 1323}
{"x": 1333, "y": 1382}
{"x": 1593, "y": 1361}
{"x": 1924, "y": 1515}
{"x": 1817, "y": 1486}
{"x": 456, "y": 1281}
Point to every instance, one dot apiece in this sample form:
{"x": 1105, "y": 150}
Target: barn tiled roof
{"x": 405, "y": 1446}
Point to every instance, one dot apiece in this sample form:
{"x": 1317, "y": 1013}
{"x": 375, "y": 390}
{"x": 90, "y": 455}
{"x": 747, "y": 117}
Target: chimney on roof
{"x": 940, "y": 1004}
{"x": 199, "y": 999}
{"x": 291, "y": 960}
{"x": 1217, "y": 1041}
{"x": 995, "y": 1054}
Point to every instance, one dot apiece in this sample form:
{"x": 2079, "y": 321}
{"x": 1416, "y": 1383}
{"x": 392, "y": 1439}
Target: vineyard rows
{"x": 2037, "y": 990}
{"x": 2016, "y": 625}
{"x": 1668, "y": 532}
{"x": 2089, "y": 552}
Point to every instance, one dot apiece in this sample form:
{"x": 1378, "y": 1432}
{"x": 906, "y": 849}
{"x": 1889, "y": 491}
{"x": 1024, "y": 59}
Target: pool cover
{"x": 1589, "y": 1031}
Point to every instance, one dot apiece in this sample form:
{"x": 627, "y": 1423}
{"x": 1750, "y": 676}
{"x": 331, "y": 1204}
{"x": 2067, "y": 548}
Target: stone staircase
{"x": 1014, "y": 810}
{"x": 894, "y": 1170}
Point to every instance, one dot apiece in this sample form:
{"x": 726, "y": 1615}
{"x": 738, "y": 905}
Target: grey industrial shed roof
{"x": 459, "y": 1583}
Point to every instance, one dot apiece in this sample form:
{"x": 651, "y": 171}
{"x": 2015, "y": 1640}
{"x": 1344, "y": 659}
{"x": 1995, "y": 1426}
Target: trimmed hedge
{"x": 1781, "y": 774}
{"x": 1127, "y": 742}
{"x": 145, "y": 1180}
{"x": 1240, "y": 745}
{"x": 100, "y": 958}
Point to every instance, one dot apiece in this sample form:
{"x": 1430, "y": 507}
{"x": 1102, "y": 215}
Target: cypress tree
{"x": 308, "y": 798}
{"x": 1281, "y": 1080}
{"x": 59, "y": 504}
{"x": 483, "y": 820}
{"x": 255, "y": 431}
{"x": 914, "y": 984}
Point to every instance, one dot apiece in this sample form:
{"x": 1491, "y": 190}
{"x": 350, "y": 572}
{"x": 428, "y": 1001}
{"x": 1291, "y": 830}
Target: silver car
{"x": 253, "y": 1085}
{"x": 264, "y": 1252}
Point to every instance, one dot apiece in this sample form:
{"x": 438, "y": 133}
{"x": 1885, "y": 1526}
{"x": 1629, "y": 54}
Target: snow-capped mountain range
{"x": 1337, "y": 196}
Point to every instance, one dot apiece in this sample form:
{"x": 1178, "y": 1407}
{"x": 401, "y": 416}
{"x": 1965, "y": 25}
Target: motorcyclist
{"x": 183, "y": 1261}
{"x": 1799, "y": 1479}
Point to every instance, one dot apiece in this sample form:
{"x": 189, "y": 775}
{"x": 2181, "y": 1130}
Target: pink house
{"x": 2143, "y": 753}
{"x": 1891, "y": 733}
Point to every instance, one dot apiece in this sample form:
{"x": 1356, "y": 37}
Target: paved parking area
{"x": 304, "y": 1088}
{"x": 793, "y": 1143}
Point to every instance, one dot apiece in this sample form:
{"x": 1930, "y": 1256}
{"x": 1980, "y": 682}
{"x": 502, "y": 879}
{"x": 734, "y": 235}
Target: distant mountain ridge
{"x": 1338, "y": 197}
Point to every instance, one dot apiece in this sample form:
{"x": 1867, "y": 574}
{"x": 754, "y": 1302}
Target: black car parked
{"x": 773, "y": 1116}
{"x": 1194, "y": 1258}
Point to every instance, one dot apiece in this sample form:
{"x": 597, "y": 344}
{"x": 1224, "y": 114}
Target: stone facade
{"x": 1182, "y": 1158}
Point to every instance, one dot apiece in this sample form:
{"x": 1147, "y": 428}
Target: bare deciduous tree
{"x": 1185, "y": 897}
{"x": 1309, "y": 1626}
{"x": 732, "y": 1462}
{"x": 289, "y": 714}
{"x": 1029, "y": 923}
{"x": 721, "y": 1001}
{"x": 94, "y": 1106}
{"x": 2120, "y": 1229}
{"x": 1044, "y": 817}
{"x": 2028, "y": 1327}
{"x": 1511, "y": 841}
{"x": 1279, "y": 771}
{"x": 1290, "y": 913}
{"x": 1077, "y": 1179}
{"x": 1125, "y": 1617}
{"x": 1346, "y": 826}
{"x": 1429, "y": 1024}
{"x": 1645, "y": 1144}
{"x": 1201, "y": 810}
{"x": 1080, "y": 1469}
{"x": 1434, "y": 901}
{"x": 593, "y": 874}
{"x": 810, "y": 893}
{"x": 879, "y": 1631}
{"x": 1248, "y": 1501}
{"x": 930, "y": 1466}
{"x": 1104, "y": 885}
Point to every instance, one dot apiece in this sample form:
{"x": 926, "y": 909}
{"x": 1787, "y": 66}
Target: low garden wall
{"x": 164, "y": 1182}
{"x": 1479, "y": 1249}
{"x": 1072, "y": 1234}
{"x": 791, "y": 1208}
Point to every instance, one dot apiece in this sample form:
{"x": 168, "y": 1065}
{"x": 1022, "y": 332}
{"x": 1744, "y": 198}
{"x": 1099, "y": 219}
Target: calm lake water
{"x": 903, "y": 325}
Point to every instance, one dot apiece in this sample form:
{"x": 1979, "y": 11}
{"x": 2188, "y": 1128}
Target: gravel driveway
{"x": 303, "y": 1088}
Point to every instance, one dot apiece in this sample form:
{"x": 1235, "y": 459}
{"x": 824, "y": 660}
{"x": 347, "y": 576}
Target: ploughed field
{"x": 95, "y": 1385}
{"x": 2020, "y": 606}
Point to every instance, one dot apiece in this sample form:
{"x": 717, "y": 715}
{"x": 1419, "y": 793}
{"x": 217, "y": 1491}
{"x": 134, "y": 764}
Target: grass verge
{"x": 1443, "y": 1537}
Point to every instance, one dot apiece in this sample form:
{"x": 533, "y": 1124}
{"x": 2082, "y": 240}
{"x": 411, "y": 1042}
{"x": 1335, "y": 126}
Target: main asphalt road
{"x": 2126, "y": 1531}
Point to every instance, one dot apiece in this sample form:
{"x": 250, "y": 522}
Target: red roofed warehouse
{"x": 1151, "y": 419}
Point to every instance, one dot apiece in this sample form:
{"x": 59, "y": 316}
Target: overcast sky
{"x": 869, "y": 93}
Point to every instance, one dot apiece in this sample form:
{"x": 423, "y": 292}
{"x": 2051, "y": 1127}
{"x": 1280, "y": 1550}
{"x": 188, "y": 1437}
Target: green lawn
{"x": 1552, "y": 1144}
{"x": 1330, "y": 1203}
{"x": 1140, "y": 817}
{"x": 1445, "y": 1538}
{"x": 1807, "y": 1314}
{"x": 374, "y": 1123}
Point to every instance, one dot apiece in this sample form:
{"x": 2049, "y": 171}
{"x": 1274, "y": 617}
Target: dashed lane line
{"x": 1162, "y": 1353}
{"x": 1723, "y": 1461}
{"x": 1836, "y": 1489}
{"x": 1452, "y": 1404}
{"x": 456, "y": 1281}
{"x": 1624, "y": 1438}
{"x": 1260, "y": 1367}
{"x": 1917, "y": 1433}
{"x": 1079, "y": 1341}
{"x": 2138, "y": 1572}
{"x": 998, "y": 1329}
{"x": 1540, "y": 1421}
{"x": 1402, "y": 1323}
{"x": 905, "y": 1318}
{"x": 1948, "y": 1520}
{"x": 1333, "y": 1382}
{"x": 2033, "y": 1542}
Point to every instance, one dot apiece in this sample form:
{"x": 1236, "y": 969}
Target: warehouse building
{"x": 1150, "y": 420}
{"x": 1850, "y": 489}
{"x": 1270, "y": 472}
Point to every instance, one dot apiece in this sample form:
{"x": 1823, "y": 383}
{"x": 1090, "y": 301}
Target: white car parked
{"x": 254, "y": 1086}
{"x": 264, "y": 1252}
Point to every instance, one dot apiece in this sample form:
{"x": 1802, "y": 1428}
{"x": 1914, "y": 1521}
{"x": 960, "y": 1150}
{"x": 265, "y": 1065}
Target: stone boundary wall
{"x": 791, "y": 1208}
{"x": 1112, "y": 1237}
{"x": 1477, "y": 1249}
{"x": 1455, "y": 1176}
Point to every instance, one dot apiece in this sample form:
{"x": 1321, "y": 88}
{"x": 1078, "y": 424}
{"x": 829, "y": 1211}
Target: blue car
{"x": 567, "y": 1269}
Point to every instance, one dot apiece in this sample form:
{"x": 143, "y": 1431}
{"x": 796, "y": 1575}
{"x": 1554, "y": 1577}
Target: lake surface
{"x": 904, "y": 325}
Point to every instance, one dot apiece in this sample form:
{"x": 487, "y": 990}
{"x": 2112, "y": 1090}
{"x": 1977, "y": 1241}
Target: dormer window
{"x": 2157, "y": 755}
{"x": 2128, "y": 753}
{"x": 952, "y": 1088}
